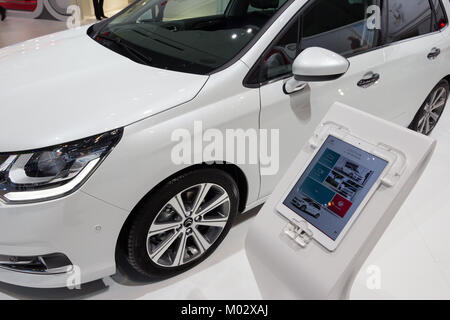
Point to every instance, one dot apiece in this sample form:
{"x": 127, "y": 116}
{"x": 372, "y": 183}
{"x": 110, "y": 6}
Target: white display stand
{"x": 282, "y": 267}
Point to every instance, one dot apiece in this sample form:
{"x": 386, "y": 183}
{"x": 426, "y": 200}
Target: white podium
{"x": 285, "y": 270}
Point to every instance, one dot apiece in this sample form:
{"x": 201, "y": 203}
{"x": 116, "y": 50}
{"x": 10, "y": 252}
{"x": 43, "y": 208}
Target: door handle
{"x": 368, "y": 80}
{"x": 434, "y": 53}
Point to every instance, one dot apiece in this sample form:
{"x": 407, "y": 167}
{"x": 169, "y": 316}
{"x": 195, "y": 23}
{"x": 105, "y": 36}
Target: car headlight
{"x": 53, "y": 172}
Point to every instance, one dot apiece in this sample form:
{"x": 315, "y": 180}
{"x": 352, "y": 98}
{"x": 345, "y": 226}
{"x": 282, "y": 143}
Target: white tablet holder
{"x": 285, "y": 259}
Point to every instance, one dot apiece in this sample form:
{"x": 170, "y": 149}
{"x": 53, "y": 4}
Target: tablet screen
{"x": 334, "y": 185}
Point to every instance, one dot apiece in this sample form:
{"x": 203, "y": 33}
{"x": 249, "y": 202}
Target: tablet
{"x": 333, "y": 188}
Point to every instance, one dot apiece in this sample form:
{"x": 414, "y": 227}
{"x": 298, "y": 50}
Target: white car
{"x": 87, "y": 181}
{"x": 308, "y": 206}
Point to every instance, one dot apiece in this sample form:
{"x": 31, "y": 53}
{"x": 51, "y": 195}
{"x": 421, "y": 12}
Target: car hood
{"x": 65, "y": 86}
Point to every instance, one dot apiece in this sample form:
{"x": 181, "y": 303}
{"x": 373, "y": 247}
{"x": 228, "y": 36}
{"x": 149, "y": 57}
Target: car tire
{"x": 193, "y": 239}
{"x": 432, "y": 109}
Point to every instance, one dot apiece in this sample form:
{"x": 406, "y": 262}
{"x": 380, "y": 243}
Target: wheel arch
{"x": 447, "y": 78}
{"x": 233, "y": 170}
{"x": 413, "y": 124}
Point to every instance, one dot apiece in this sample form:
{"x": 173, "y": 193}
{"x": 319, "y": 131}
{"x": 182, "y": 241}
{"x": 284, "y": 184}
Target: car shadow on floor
{"x": 232, "y": 244}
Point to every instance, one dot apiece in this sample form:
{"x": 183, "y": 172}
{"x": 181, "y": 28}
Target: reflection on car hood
{"x": 65, "y": 86}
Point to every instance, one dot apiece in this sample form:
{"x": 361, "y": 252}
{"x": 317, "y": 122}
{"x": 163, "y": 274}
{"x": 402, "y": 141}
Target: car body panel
{"x": 54, "y": 94}
{"x": 298, "y": 114}
{"x": 222, "y": 105}
{"x": 406, "y": 67}
{"x": 70, "y": 225}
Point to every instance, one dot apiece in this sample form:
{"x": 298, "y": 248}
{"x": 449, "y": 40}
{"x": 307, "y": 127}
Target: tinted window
{"x": 195, "y": 36}
{"x": 441, "y": 19}
{"x": 408, "y": 19}
{"x": 278, "y": 61}
{"x": 340, "y": 26}
{"x": 337, "y": 25}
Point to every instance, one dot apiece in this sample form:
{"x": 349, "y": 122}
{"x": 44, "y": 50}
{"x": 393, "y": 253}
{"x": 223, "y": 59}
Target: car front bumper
{"x": 79, "y": 226}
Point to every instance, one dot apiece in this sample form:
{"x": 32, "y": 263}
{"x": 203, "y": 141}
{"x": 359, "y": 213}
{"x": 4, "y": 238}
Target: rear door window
{"x": 408, "y": 19}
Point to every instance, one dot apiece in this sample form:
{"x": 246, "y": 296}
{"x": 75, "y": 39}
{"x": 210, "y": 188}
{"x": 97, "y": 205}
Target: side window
{"x": 278, "y": 61}
{"x": 340, "y": 26}
{"x": 408, "y": 19}
{"x": 441, "y": 19}
{"x": 337, "y": 25}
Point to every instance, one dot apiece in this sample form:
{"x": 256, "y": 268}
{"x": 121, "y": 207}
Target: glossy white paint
{"x": 314, "y": 61}
{"x": 301, "y": 112}
{"x": 66, "y": 86}
{"x": 52, "y": 94}
{"x": 65, "y": 225}
{"x": 410, "y": 75}
{"x": 146, "y": 145}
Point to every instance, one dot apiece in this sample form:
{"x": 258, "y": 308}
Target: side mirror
{"x": 314, "y": 65}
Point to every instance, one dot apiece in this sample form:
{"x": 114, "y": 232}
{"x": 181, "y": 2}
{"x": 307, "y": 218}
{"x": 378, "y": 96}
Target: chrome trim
{"x": 49, "y": 272}
{"x": 37, "y": 264}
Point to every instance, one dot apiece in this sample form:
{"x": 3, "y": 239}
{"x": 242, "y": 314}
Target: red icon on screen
{"x": 339, "y": 205}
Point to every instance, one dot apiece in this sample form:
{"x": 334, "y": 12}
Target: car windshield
{"x": 194, "y": 36}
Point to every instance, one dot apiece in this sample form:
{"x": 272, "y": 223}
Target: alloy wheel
{"x": 432, "y": 111}
{"x": 188, "y": 225}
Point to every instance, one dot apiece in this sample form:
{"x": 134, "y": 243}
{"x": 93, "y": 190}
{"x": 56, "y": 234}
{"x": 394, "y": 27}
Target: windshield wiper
{"x": 130, "y": 50}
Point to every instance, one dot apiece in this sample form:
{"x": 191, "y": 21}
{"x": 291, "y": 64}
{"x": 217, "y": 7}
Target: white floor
{"x": 413, "y": 255}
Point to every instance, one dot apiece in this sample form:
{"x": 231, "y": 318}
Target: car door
{"x": 338, "y": 25}
{"x": 414, "y": 64}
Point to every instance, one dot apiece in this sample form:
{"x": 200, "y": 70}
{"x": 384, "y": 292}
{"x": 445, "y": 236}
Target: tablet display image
{"x": 333, "y": 186}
